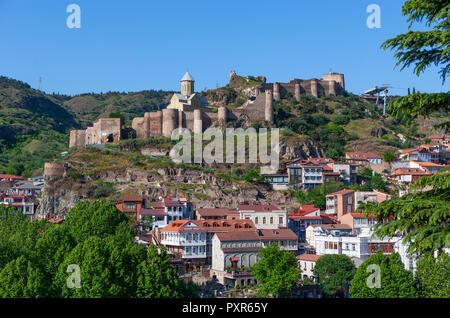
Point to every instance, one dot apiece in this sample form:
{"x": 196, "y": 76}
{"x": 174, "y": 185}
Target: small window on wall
{"x": 280, "y": 221}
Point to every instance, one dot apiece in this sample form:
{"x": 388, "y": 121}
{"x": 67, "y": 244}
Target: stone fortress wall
{"x": 162, "y": 123}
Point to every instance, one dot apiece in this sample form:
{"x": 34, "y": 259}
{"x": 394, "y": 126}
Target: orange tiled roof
{"x": 309, "y": 257}
{"x": 277, "y": 234}
{"x": 343, "y": 191}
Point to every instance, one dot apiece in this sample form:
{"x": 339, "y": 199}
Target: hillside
{"x": 26, "y": 111}
{"x": 34, "y": 126}
{"x": 110, "y": 173}
{"x": 89, "y": 107}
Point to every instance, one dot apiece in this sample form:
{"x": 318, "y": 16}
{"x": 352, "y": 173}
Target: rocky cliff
{"x": 89, "y": 170}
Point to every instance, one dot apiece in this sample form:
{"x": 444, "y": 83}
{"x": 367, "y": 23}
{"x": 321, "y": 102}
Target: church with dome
{"x": 187, "y": 99}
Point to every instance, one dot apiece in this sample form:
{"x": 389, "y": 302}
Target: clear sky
{"x": 146, "y": 44}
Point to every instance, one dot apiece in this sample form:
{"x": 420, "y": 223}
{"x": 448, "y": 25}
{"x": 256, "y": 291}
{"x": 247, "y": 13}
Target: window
{"x": 264, "y": 220}
{"x": 280, "y": 221}
{"x": 129, "y": 205}
{"x": 271, "y": 220}
{"x": 256, "y": 220}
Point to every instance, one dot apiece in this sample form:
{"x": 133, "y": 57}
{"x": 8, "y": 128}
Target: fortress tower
{"x": 276, "y": 91}
{"x": 222, "y": 115}
{"x": 314, "y": 91}
{"x": 198, "y": 125}
{"x": 297, "y": 91}
{"x": 169, "y": 121}
{"x": 187, "y": 85}
{"x": 268, "y": 111}
{"x": 337, "y": 77}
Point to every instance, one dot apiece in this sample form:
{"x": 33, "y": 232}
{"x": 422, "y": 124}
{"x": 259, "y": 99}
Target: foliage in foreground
{"x": 422, "y": 216}
{"x": 35, "y": 257}
{"x": 276, "y": 271}
{"x": 334, "y": 272}
{"x": 394, "y": 280}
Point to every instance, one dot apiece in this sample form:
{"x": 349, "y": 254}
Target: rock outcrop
{"x": 204, "y": 189}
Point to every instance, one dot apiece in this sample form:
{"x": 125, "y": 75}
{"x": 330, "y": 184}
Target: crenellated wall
{"x": 162, "y": 123}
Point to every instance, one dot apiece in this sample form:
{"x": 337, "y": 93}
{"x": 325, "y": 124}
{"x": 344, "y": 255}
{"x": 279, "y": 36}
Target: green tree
{"x": 35, "y": 257}
{"x": 334, "y": 272}
{"x": 276, "y": 271}
{"x": 97, "y": 218}
{"x": 156, "y": 277}
{"x": 146, "y": 222}
{"x": 253, "y": 176}
{"x": 422, "y": 216}
{"x": 433, "y": 276}
{"x": 372, "y": 181}
{"x": 388, "y": 156}
{"x": 423, "y": 49}
{"x": 394, "y": 280}
{"x": 20, "y": 278}
{"x": 118, "y": 115}
{"x": 317, "y": 196}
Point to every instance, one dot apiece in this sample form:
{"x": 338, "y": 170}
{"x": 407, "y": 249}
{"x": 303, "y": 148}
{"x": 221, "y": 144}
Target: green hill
{"x": 34, "y": 126}
{"x": 90, "y": 107}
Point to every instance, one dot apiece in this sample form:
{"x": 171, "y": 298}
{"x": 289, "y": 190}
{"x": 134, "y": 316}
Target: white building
{"x": 307, "y": 262}
{"x": 264, "y": 216}
{"x": 359, "y": 247}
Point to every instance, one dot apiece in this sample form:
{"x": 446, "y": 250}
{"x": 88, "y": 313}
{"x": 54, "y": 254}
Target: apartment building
{"x": 264, "y": 216}
{"x": 340, "y": 202}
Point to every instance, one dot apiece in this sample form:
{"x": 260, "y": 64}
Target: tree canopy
{"x": 422, "y": 49}
{"x": 317, "y": 196}
{"x": 36, "y": 257}
{"x": 433, "y": 276}
{"x": 422, "y": 215}
{"x": 276, "y": 271}
{"x": 334, "y": 272}
{"x": 394, "y": 280}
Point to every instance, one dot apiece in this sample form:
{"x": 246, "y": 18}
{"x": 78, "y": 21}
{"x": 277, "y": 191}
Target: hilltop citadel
{"x": 188, "y": 109}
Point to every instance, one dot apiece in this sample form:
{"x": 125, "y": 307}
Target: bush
{"x": 104, "y": 189}
{"x": 341, "y": 120}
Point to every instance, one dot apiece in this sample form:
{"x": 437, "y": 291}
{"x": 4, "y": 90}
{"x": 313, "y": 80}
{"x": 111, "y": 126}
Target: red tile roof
{"x": 341, "y": 192}
{"x": 215, "y": 212}
{"x": 258, "y": 208}
{"x": 277, "y": 234}
{"x": 10, "y": 176}
{"x": 309, "y": 257}
{"x": 361, "y": 155}
{"x": 410, "y": 171}
{"x": 154, "y": 212}
{"x": 238, "y": 236}
{"x": 333, "y": 226}
{"x": 213, "y": 225}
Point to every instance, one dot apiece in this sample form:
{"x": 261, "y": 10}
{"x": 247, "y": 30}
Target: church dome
{"x": 187, "y": 77}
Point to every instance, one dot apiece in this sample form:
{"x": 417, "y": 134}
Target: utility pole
{"x": 385, "y": 100}
{"x": 40, "y": 83}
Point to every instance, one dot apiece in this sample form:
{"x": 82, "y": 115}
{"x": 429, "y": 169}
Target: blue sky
{"x": 146, "y": 44}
